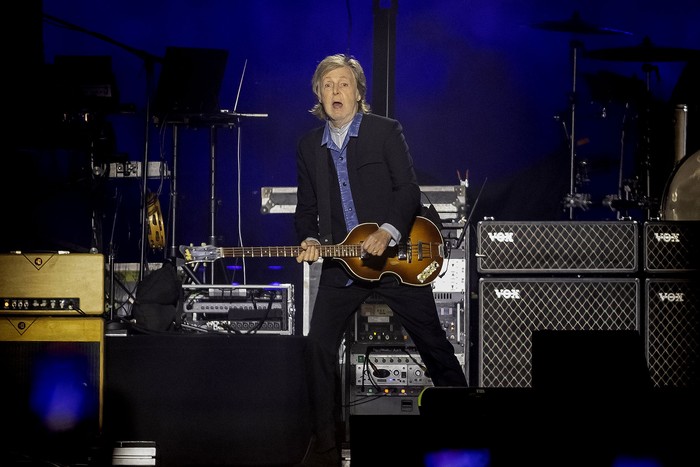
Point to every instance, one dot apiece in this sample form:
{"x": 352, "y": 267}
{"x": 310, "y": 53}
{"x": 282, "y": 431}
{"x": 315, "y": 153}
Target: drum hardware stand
{"x": 577, "y": 174}
{"x": 645, "y": 164}
{"x": 635, "y": 193}
{"x": 575, "y": 25}
{"x": 575, "y": 45}
{"x": 626, "y": 200}
{"x": 646, "y": 53}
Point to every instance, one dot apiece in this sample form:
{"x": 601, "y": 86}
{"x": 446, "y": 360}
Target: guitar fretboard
{"x": 338, "y": 251}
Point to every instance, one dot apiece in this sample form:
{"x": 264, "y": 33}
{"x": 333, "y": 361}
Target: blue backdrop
{"x": 482, "y": 87}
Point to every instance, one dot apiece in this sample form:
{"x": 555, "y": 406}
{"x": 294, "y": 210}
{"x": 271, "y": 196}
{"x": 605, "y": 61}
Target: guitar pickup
{"x": 420, "y": 251}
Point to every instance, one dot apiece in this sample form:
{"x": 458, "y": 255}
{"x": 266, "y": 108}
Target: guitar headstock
{"x": 204, "y": 253}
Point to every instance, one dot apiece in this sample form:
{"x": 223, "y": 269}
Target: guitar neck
{"x": 326, "y": 251}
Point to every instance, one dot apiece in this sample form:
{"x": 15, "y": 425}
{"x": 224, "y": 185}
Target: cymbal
{"x": 644, "y": 52}
{"x": 576, "y": 25}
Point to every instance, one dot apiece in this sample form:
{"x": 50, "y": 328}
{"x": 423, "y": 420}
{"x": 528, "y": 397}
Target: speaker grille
{"x": 673, "y": 332}
{"x": 52, "y": 376}
{"x": 671, "y": 246}
{"x": 511, "y": 309}
{"x": 557, "y": 247}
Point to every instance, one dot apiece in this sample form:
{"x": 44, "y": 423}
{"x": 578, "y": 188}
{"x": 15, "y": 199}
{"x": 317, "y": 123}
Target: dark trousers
{"x": 335, "y": 306}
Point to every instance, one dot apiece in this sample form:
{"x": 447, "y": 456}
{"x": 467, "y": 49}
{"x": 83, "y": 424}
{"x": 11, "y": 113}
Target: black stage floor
{"x": 240, "y": 401}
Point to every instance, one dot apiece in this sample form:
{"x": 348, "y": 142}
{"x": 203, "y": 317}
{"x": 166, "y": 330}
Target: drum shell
{"x": 681, "y": 200}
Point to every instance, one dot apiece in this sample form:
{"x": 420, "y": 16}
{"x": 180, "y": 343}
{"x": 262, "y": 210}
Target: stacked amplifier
{"x": 562, "y": 276}
{"x": 585, "y": 276}
{"x": 672, "y": 302}
{"x": 51, "y": 353}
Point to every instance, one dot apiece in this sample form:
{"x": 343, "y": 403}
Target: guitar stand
{"x": 190, "y": 273}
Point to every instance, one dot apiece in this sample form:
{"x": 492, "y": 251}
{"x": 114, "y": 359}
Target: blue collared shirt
{"x": 340, "y": 160}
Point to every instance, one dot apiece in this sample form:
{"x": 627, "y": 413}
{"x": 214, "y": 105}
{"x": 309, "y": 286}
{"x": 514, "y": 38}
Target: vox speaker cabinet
{"x": 52, "y": 380}
{"x": 52, "y": 284}
{"x": 672, "y": 246}
{"x": 672, "y": 331}
{"x": 511, "y": 309}
{"x": 557, "y": 247}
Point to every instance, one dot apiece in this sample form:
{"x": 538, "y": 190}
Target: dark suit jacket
{"x": 382, "y": 179}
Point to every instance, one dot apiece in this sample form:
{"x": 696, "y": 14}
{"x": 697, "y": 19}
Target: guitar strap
{"x": 324, "y": 200}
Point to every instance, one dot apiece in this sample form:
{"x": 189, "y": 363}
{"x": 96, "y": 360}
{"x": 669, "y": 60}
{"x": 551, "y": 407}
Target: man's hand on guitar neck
{"x": 375, "y": 244}
{"x": 310, "y": 251}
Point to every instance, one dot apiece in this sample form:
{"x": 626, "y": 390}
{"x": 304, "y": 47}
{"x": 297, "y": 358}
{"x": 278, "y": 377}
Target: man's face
{"x": 339, "y": 95}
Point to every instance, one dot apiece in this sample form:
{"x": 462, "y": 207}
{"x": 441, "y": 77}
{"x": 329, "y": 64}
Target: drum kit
{"x": 681, "y": 197}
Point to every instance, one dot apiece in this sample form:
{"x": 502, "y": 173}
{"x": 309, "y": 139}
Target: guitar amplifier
{"x": 511, "y": 309}
{"x": 673, "y": 331}
{"x": 70, "y": 284}
{"x": 557, "y": 247}
{"x": 52, "y": 371}
{"x": 672, "y": 246}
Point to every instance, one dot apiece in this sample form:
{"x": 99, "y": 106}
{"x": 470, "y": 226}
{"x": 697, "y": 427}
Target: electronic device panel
{"x": 240, "y": 309}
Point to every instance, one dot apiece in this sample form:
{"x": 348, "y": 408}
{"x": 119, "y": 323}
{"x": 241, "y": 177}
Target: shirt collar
{"x": 353, "y": 129}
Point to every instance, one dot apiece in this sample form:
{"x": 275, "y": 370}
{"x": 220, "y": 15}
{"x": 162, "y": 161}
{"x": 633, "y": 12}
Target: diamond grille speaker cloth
{"x": 557, "y": 247}
{"x": 511, "y": 309}
{"x": 673, "y": 332}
